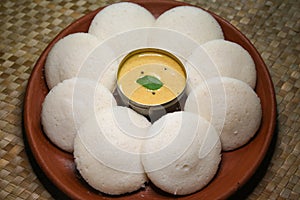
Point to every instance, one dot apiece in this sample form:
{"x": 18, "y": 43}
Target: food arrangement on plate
{"x": 181, "y": 151}
{"x": 138, "y": 99}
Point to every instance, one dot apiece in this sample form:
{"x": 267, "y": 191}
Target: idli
{"x": 192, "y": 22}
{"x": 182, "y": 153}
{"x": 118, "y": 18}
{"x": 107, "y": 150}
{"x": 227, "y": 59}
{"x": 194, "y": 77}
{"x": 199, "y": 67}
{"x": 231, "y": 106}
{"x": 66, "y": 57}
{"x": 69, "y": 104}
{"x": 109, "y": 77}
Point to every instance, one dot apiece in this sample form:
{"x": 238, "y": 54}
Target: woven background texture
{"x": 27, "y": 27}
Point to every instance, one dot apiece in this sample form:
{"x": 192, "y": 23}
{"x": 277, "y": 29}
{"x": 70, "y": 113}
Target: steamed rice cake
{"x": 192, "y": 22}
{"x": 231, "y": 106}
{"x": 182, "y": 153}
{"x": 107, "y": 150}
{"x": 226, "y": 59}
{"x": 196, "y": 74}
{"x": 109, "y": 77}
{"x": 118, "y": 18}
{"x": 68, "y": 105}
{"x": 66, "y": 57}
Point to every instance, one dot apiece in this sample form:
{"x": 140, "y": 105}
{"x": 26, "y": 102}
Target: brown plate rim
{"x": 28, "y": 105}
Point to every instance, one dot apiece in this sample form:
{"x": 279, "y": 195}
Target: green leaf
{"x": 150, "y": 82}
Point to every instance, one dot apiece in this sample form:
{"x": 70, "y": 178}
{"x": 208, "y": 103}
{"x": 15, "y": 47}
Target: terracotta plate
{"x": 236, "y": 166}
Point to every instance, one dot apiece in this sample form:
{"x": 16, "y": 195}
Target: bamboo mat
{"x": 27, "y": 26}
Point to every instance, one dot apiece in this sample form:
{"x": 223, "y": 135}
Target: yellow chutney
{"x": 151, "y": 77}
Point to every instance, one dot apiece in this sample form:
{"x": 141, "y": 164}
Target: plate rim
{"x": 36, "y": 70}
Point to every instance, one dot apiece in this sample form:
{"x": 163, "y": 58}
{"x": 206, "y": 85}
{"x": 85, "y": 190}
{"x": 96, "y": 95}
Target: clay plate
{"x": 236, "y": 166}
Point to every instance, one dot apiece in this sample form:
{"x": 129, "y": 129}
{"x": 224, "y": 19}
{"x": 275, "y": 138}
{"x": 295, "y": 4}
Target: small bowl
{"x": 236, "y": 167}
{"x": 152, "y": 110}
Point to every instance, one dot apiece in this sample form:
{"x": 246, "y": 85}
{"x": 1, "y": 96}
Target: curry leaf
{"x": 150, "y": 82}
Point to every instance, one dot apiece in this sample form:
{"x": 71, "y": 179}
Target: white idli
{"x": 182, "y": 153}
{"x": 228, "y": 59}
{"x": 109, "y": 77}
{"x": 192, "y": 22}
{"x": 118, "y": 18}
{"x": 231, "y": 106}
{"x": 194, "y": 77}
{"x": 107, "y": 150}
{"x": 66, "y": 57}
{"x": 199, "y": 67}
{"x": 68, "y": 105}
{"x": 172, "y": 41}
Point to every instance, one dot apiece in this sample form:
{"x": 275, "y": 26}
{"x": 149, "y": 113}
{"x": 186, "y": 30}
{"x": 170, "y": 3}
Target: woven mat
{"x": 28, "y": 26}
